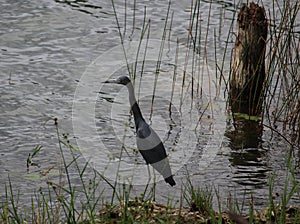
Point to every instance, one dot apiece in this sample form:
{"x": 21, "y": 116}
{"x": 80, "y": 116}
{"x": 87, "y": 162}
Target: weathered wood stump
{"x": 248, "y": 70}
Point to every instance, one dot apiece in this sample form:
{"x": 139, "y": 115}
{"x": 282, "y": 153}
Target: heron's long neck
{"x": 137, "y": 114}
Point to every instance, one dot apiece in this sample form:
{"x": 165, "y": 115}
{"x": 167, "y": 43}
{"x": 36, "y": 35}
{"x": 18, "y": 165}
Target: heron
{"x": 148, "y": 142}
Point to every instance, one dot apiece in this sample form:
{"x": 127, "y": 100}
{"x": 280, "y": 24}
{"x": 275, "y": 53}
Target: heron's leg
{"x": 148, "y": 182}
{"x": 149, "y": 174}
{"x": 154, "y": 184}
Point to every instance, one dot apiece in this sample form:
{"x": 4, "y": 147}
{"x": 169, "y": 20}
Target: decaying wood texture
{"x": 248, "y": 69}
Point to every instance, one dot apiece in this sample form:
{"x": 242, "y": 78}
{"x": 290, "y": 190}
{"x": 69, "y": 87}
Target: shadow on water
{"x": 247, "y": 157}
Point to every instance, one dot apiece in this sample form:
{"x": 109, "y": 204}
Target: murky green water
{"x": 46, "y": 48}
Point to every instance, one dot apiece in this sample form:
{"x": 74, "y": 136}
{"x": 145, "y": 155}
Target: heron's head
{"x": 123, "y": 80}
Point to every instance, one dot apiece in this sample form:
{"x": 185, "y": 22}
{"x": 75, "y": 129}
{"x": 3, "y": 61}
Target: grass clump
{"x": 198, "y": 199}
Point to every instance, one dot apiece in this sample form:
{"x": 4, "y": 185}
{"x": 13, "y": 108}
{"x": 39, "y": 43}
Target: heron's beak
{"x": 110, "y": 81}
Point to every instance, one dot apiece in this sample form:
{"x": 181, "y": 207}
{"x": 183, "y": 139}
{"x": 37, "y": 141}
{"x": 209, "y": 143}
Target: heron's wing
{"x": 153, "y": 151}
{"x": 150, "y": 145}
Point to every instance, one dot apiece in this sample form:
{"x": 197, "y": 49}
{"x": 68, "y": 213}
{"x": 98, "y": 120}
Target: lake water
{"x": 54, "y": 56}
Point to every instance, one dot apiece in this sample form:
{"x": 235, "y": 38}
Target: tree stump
{"x": 248, "y": 70}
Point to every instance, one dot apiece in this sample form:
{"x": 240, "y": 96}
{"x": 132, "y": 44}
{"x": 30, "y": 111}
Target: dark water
{"x": 53, "y": 57}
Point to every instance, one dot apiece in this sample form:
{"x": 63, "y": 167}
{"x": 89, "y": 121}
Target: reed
{"x": 282, "y": 85}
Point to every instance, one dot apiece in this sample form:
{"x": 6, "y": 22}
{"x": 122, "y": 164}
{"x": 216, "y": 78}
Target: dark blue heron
{"x": 148, "y": 142}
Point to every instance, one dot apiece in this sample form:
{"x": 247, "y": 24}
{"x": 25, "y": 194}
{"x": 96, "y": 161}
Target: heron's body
{"x": 148, "y": 142}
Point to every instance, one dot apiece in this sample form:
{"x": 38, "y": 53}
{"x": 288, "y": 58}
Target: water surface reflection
{"x": 248, "y": 158}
